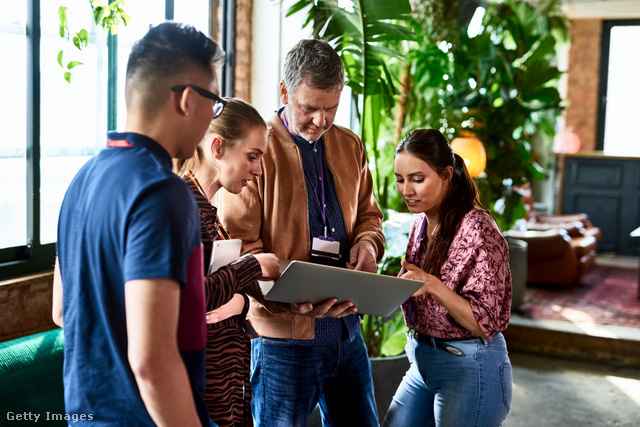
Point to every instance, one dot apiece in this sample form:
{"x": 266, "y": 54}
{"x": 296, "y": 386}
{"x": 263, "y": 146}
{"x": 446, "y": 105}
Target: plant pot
{"x": 387, "y": 373}
{"x": 518, "y": 264}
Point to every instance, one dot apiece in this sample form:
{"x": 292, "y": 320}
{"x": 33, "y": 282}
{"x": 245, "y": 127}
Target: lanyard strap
{"x": 321, "y": 199}
{"x": 222, "y": 232}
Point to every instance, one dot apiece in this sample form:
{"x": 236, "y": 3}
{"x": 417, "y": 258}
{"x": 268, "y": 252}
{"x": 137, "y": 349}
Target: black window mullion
{"x": 229, "y": 45}
{"x": 33, "y": 126}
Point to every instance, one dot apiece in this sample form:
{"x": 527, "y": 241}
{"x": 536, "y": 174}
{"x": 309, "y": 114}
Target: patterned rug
{"x": 606, "y": 295}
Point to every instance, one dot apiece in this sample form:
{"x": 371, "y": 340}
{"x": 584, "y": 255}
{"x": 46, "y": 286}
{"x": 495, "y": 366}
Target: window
{"x": 619, "y": 88}
{"x": 51, "y": 128}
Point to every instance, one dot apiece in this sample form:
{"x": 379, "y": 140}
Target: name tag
{"x": 325, "y": 247}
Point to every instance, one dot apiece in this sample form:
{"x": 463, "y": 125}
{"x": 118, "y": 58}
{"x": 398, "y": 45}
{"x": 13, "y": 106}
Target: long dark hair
{"x": 430, "y": 146}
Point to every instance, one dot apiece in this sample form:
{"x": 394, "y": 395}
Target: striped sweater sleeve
{"x": 221, "y": 285}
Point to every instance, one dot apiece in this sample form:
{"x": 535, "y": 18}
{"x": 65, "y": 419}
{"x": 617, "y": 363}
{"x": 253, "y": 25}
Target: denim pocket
{"x": 506, "y": 376}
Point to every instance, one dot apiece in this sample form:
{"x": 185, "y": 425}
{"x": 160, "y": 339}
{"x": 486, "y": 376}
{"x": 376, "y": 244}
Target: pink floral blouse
{"x": 477, "y": 269}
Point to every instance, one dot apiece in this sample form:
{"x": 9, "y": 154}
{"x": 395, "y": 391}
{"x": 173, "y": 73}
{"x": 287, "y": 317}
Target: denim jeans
{"x": 288, "y": 380}
{"x": 443, "y": 389}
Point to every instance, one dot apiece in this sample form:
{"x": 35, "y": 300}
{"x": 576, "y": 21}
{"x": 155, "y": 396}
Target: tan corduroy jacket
{"x": 271, "y": 214}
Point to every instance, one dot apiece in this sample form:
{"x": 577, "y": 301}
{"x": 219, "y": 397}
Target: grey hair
{"x": 315, "y": 62}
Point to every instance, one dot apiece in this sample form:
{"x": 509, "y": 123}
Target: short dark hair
{"x": 168, "y": 50}
{"x": 315, "y": 62}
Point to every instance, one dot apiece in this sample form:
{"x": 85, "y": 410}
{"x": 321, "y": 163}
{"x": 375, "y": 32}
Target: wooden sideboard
{"x": 607, "y": 188}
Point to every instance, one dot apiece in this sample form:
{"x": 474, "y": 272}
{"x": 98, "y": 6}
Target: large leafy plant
{"x": 500, "y": 85}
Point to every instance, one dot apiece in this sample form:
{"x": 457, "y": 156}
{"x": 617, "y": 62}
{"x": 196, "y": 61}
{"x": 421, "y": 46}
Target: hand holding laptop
{"x": 317, "y": 290}
{"x": 325, "y": 309}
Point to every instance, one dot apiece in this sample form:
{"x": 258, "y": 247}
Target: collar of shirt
{"x": 140, "y": 140}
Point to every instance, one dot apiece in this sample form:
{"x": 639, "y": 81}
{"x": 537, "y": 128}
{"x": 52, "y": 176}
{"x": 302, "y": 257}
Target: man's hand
{"x": 363, "y": 257}
{"x": 326, "y": 309}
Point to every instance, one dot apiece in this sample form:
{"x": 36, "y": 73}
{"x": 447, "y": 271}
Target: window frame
{"x": 607, "y": 26}
{"x": 34, "y": 257}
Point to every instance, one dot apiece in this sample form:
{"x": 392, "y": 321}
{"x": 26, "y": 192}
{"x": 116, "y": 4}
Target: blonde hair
{"x": 235, "y": 122}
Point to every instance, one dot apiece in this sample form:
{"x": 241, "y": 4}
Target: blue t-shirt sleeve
{"x": 162, "y": 231}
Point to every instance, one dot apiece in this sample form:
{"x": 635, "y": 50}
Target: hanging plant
{"x": 107, "y": 16}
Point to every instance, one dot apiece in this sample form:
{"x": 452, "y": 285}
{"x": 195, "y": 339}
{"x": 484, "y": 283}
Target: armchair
{"x": 554, "y": 257}
{"x": 561, "y": 248}
{"x": 577, "y": 225}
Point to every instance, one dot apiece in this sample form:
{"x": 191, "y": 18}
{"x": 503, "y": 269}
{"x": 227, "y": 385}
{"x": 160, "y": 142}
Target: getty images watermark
{"x": 47, "y": 416}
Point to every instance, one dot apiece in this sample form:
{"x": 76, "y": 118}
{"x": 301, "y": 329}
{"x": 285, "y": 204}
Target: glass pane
{"x": 194, "y": 12}
{"x": 73, "y": 116}
{"x": 144, "y": 14}
{"x": 13, "y": 122}
{"x": 623, "y": 91}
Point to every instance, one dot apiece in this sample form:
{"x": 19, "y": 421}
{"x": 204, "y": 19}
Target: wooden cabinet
{"x": 606, "y": 188}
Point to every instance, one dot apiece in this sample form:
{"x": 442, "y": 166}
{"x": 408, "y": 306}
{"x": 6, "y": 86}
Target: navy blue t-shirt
{"x": 125, "y": 216}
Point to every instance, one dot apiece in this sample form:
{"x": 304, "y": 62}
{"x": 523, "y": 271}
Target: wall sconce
{"x": 472, "y": 152}
{"x": 567, "y": 142}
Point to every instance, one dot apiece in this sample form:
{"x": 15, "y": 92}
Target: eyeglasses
{"x": 218, "y": 103}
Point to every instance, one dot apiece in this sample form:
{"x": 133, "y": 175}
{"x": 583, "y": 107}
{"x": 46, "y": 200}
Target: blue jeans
{"x": 442, "y": 389}
{"x": 288, "y": 380}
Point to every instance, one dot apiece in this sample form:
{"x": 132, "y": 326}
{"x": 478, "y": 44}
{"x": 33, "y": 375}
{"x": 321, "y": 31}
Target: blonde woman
{"x": 228, "y": 157}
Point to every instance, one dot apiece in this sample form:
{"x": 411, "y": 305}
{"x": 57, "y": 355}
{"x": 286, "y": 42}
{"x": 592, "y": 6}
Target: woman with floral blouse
{"x": 460, "y": 372}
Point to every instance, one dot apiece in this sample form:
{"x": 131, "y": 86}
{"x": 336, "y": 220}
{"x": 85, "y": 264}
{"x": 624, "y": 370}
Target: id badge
{"x": 325, "y": 247}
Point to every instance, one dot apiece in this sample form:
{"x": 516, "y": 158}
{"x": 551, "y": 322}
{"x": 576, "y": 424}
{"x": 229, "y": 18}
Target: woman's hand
{"x": 457, "y": 306}
{"x": 270, "y": 266}
{"x": 416, "y": 273}
{"x": 232, "y": 308}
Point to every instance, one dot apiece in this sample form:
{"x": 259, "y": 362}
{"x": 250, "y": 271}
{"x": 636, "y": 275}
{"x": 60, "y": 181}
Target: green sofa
{"x": 31, "y": 380}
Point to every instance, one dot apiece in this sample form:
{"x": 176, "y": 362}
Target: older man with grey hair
{"x": 313, "y": 203}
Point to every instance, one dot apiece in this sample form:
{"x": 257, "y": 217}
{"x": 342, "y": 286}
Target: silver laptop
{"x": 305, "y": 282}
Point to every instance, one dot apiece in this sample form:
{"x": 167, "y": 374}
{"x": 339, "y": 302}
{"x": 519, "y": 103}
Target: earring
{"x": 445, "y": 181}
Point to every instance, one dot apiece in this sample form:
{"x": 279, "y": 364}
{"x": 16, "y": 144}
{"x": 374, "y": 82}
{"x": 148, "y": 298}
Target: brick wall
{"x": 25, "y": 306}
{"x": 243, "y": 50}
{"x": 583, "y": 80}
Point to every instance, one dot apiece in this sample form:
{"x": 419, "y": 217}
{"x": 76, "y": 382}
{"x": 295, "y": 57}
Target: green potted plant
{"x": 499, "y": 84}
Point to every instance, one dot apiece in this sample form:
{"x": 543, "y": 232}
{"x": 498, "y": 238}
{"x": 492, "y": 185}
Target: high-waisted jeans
{"x": 448, "y": 390}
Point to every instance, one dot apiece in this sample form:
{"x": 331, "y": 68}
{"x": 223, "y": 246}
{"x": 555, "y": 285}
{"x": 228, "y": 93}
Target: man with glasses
{"x": 128, "y": 283}
{"x": 218, "y": 103}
